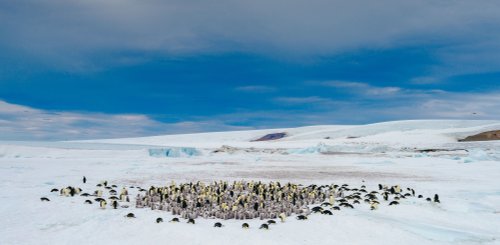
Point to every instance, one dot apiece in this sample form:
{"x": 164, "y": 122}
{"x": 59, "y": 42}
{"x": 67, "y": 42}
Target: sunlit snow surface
{"x": 465, "y": 175}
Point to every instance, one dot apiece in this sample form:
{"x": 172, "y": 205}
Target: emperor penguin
{"x": 84, "y": 180}
{"x": 159, "y": 220}
{"x": 282, "y": 217}
{"x": 218, "y": 225}
{"x": 175, "y": 220}
{"x": 373, "y": 205}
{"x": 245, "y": 226}
{"x": 114, "y": 204}
{"x": 393, "y": 203}
{"x": 130, "y": 215}
{"x": 44, "y": 199}
{"x": 436, "y": 198}
{"x": 102, "y": 204}
{"x": 301, "y": 217}
{"x": 264, "y": 226}
{"x": 331, "y": 199}
{"x": 191, "y": 221}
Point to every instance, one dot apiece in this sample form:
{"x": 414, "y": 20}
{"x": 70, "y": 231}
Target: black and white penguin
{"x": 218, "y": 224}
{"x": 87, "y": 202}
{"x": 428, "y": 199}
{"x": 327, "y": 212}
{"x": 436, "y": 198}
{"x": 102, "y": 204}
{"x": 44, "y": 199}
{"x": 114, "y": 204}
{"x": 282, "y": 217}
{"x": 393, "y": 203}
{"x": 271, "y": 222}
{"x": 245, "y": 226}
{"x": 84, "y": 180}
{"x": 159, "y": 220}
{"x": 130, "y": 215}
{"x": 264, "y": 226}
{"x": 420, "y": 196}
{"x": 54, "y": 190}
{"x": 175, "y": 220}
{"x": 85, "y": 194}
{"x": 336, "y": 208}
{"x": 191, "y": 221}
{"x": 301, "y": 217}
{"x": 346, "y": 205}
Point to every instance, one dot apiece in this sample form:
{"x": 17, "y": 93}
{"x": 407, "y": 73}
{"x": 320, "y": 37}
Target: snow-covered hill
{"x": 423, "y": 155}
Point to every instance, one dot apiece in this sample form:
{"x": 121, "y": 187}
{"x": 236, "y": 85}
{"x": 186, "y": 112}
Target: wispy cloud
{"x": 362, "y": 88}
{"x": 256, "y": 89}
{"x": 310, "y": 100}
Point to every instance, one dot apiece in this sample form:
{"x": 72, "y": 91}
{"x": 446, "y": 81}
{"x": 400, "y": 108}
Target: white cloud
{"x": 19, "y": 122}
{"x": 310, "y": 100}
{"x": 256, "y": 89}
{"x": 363, "y": 88}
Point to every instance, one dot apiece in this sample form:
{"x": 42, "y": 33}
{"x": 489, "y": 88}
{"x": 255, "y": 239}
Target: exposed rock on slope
{"x": 490, "y": 135}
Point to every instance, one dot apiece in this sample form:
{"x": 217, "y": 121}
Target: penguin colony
{"x": 243, "y": 199}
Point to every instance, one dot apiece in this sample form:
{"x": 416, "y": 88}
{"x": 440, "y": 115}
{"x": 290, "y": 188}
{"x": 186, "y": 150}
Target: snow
{"x": 465, "y": 174}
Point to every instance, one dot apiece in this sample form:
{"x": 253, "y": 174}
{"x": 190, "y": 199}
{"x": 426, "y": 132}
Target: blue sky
{"x": 87, "y": 69}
